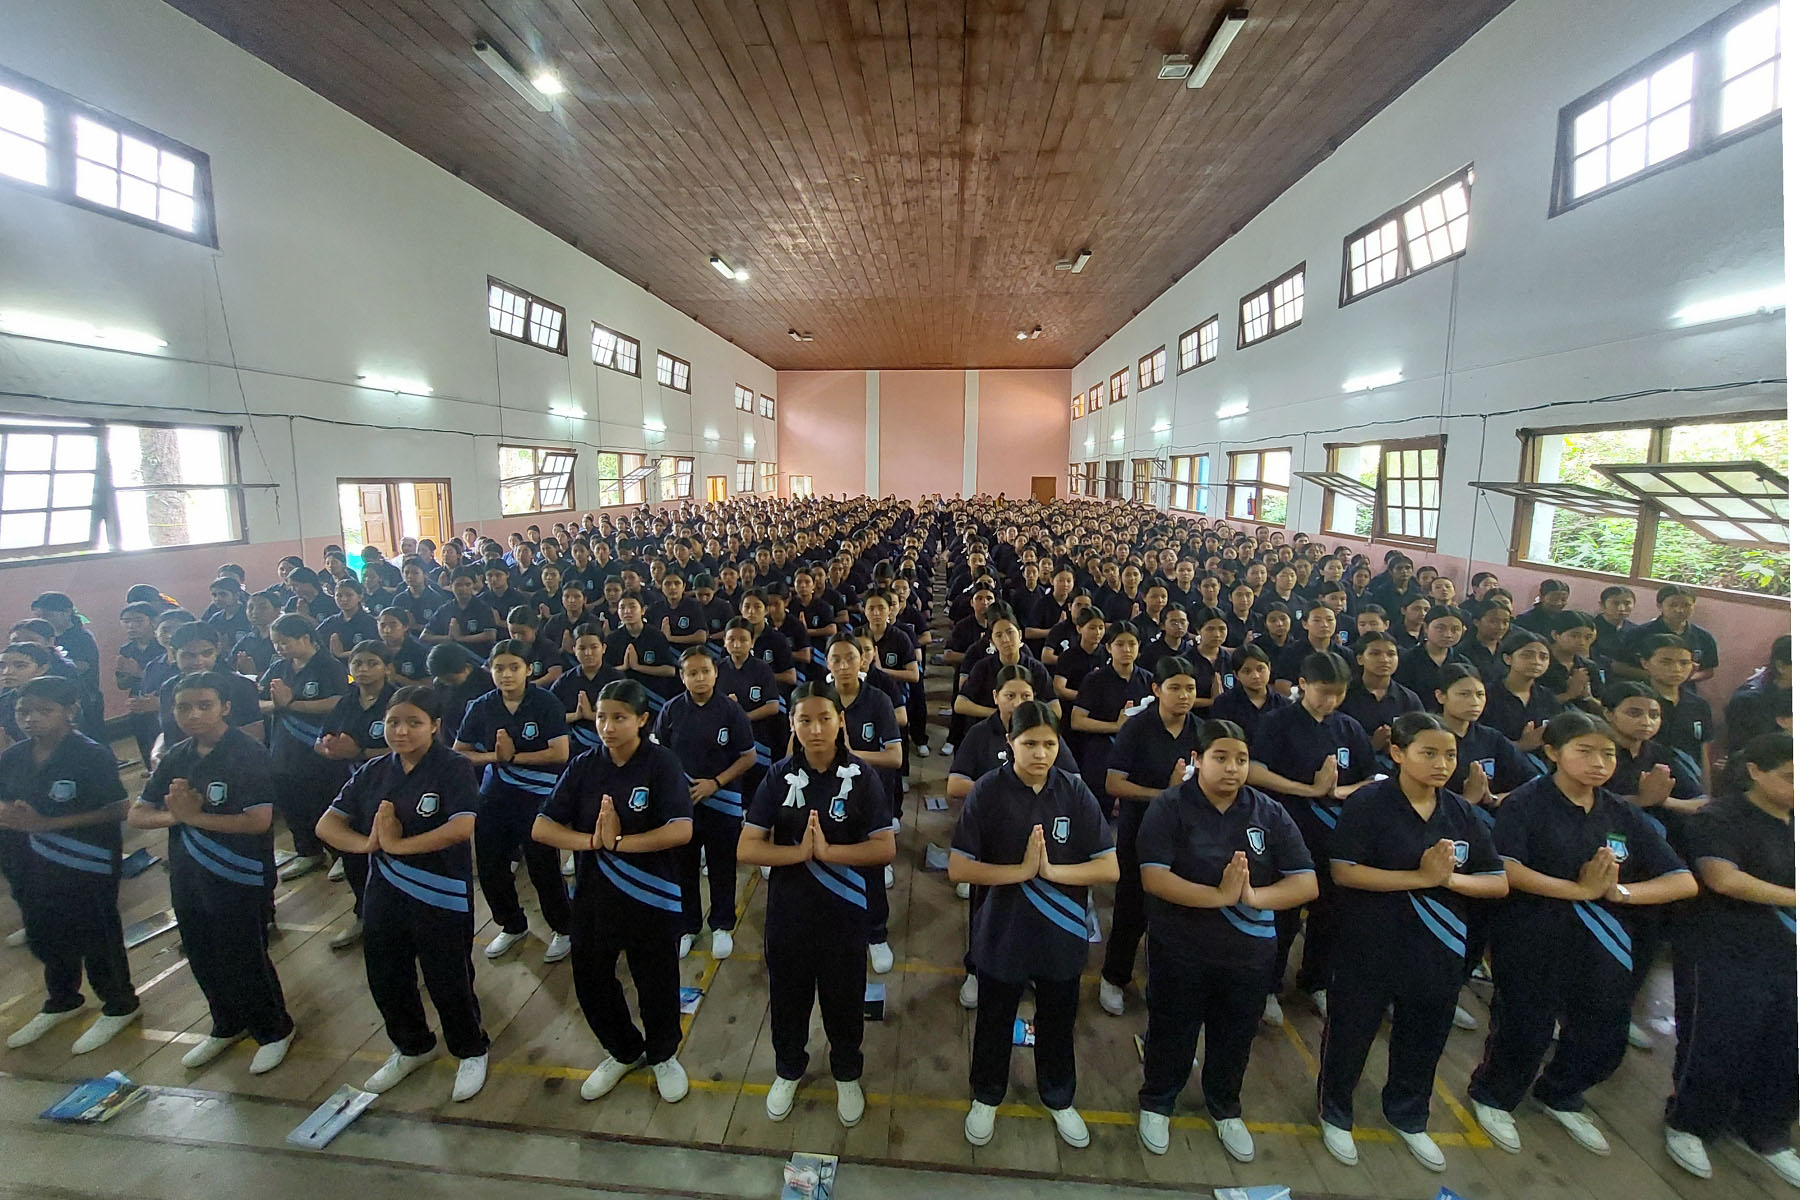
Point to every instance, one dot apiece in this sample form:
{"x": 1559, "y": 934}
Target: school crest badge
{"x": 868, "y": 731}
{"x": 1230, "y": 678}
{"x": 640, "y": 799}
{"x": 428, "y": 804}
{"x": 537, "y": 668}
{"x": 311, "y": 690}
{"x": 837, "y": 811}
{"x": 892, "y": 660}
{"x": 1616, "y": 843}
{"x": 377, "y": 730}
{"x": 681, "y": 622}
{"x": 756, "y": 695}
{"x": 1460, "y": 850}
{"x": 724, "y": 736}
{"x": 1343, "y": 758}
{"x": 1059, "y": 829}
{"x": 1257, "y": 839}
{"x": 216, "y": 793}
{"x": 62, "y": 791}
{"x": 1487, "y": 767}
{"x": 529, "y": 731}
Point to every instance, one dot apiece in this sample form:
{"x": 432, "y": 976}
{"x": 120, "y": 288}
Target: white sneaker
{"x": 1070, "y": 1127}
{"x": 969, "y": 994}
{"x": 887, "y": 877}
{"x": 765, "y": 872}
{"x": 348, "y": 936}
{"x": 1153, "y": 1131}
{"x": 1236, "y": 1139}
{"x": 1689, "y": 1153}
{"x": 1272, "y": 1014}
{"x": 1464, "y": 1019}
{"x": 881, "y": 958}
{"x": 336, "y": 874}
{"x": 1498, "y": 1124}
{"x": 103, "y": 1030}
{"x": 978, "y": 1126}
{"x": 558, "y": 949}
{"x": 605, "y": 1077}
{"x": 705, "y": 869}
{"x": 722, "y": 945}
{"x": 15, "y": 939}
{"x": 471, "y": 1074}
{"x": 503, "y": 941}
{"x": 949, "y": 750}
{"x": 1338, "y": 1143}
{"x": 38, "y": 1026}
{"x": 1785, "y": 1163}
{"x": 304, "y": 864}
{"x": 781, "y": 1098}
{"x": 1424, "y": 1149}
{"x": 568, "y": 866}
{"x": 209, "y": 1049}
{"x": 1112, "y": 998}
{"x": 1638, "y": 1036}
{"x": 1318, "y": 1001}
{"x": 962, "y": 891}
{"x": 687, "y": 944}
{"x": 850, "y": 1102}
{"x": 268, "y": 1057}
{"x": 671, "y": 1079}
{"x": 397, "y": 1067}
{"x": 1582, "y": 1128}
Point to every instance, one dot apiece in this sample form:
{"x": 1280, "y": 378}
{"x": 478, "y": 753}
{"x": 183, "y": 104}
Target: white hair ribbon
{"x": 796, "y": 797}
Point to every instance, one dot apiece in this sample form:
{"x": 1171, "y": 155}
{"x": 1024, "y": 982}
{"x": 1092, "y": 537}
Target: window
{"x": 672, "y": 372}
{"x": 1385, "y": 491}
{"x": 1270, "y": 309}
{"x": 73, "y": 487}
{"x": 674, "y": 478}
{"x": 535, "y": 479}
{"x": 1075, "y": 479}
{"x": 1096, "y": 397}
{"x": 1199, "y": 345}
{"x": 1078, "y": 406}
{"x": 86, "y": 156}
{"x": 1143, "y": 479}
{"x": 766, "y": 407}
{"x": 1634, "y": 541}
{"x": 1189, "y": 475}
{"x": 1350, "y": 510}
{"x": 1090, "y": 473}
{"x": 1714, "y": 86}
{"x": 614, "y": 350}
{"x": 742, "y": 397}
{"x": 522, "y": 317}
{"x": 799, "y": 485}
{"x": 1118, "y": 384}
{"x": 765, "y": 477}
{"x": 1153, "y": 368}
{"x": 1115, "y": 479}
{"x": 746, "y": 476}
{"x": 1258, "y": 488}
{"x": 622, "y": 477}
{"x": 1431, "y": 228}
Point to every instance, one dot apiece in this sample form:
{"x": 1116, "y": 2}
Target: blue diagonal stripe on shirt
{"x": 423, "y": 895}
{"x": 1442, "y": 912}
{"x": 50, "y": 853}
{"x": 1786, "y": 916}
{"x": 1243, "y": 924}
{"x": 1057, "y": 898}
{"x": 609, "y": 867}
{"x": 437, "y": 883}
{"x": 1455, "y": 943}
{"x": 849, "y": 875}
{"x": 74, "y": 846}
{"x": 1606, "y": 930}
{"x": 242, "y": 863}
{"x": 1327, "y": 817}
{"x": 836, "y": 885}
{"x": 224, "y": 871}
{"x": 643, "y": 878}
{"x": 724, "y": 802}
{"x": 1055, "y": 915}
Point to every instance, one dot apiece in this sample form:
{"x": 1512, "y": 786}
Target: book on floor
{"x": 937, "y": 858}
{"x": 1024, "y": 1032}
{"x": 809, "y": 1177}
{"x": 330, "y": 1118}
{"x": 95, "y": 1100}
{"x": 937, "y": 804}
{"x": 874, "y": 1001}
{"x": 690, "y": 1000}
{"x": 1262, "y": 1191}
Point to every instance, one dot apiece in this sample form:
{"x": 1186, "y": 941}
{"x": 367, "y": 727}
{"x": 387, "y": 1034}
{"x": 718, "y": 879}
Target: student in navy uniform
{"x": 1167, "y": 637}
{"x": 1077, "y": 659}
{"x": 1572, "y": 673}
{"x": 748, "y": 680}
{"x": 767, "y": 642}
{"x": 1421, "y": 668}
{"x": 711, "y": 737}
{"x": 519, "y": 733}
{"x": 625, "y": 811}
{"x": 1674, "y": 617}
{"x": 679, "y": 617}
{"x": 298, "y": 690}
{"x": 411, "y": 813}
{"x": 212, "y": 792}
{"x": 1488, "y": 765}
{"x": 1762, "y": 704}
{"x": 1150, "y": 754}
{"x": 579, "y": 687}
{"x": 1687, "y": 725}
{"x": 468, "y": 620}
{"x": 459, "y": 679}
{"x": 1734, "y": 971}
{"x": 635, "y": 650}
{"x": 418, "y": 599}
{"x": 1033, "y": 837}
{"x": 818, "y": 820}
{"x": 1484, "y": 645}
{"x": 252, "y": 653}
{"x": 1374, "y": 700}
{"x": 1220, "y": 858}
{"x": 898, "y": 658}
{"x": 1612, "y": 624}
{"x": 872, "y": 729}
{"x": 1517, "y": 704}
{"x": 352, "y": 623}
{"x": 406, "y": 653}
{"x": 985, "y": 747}
{"x": 1248, "y": 698}
{"x": 137, "y": 653}
{"x": 1320, "y": 637}
{"x": 60, "y": 790}
{"x": 546, "y": 660}
{"x": 1578, "y": 859}
{"x": 1410, "y": 859}
{"x": 1116, "y": 690}
{"x": 355, "y": 732}
{"x": 196, "y": 646}
{"x": 717, "y": 609}
{"x": 1311, "y": 757}
{"x": 573, "y": 613}
{"x": 77, "y": 644}
{"x": 975, "y": 699}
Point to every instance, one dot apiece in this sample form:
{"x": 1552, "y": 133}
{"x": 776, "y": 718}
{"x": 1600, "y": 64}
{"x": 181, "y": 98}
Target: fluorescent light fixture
{"x": 1118, "y": 435}
{"x": 547, "y": 83}
{"x": 502, "y": 66}
{"x": 1739, "y": 304}
{"x": 398, "y": 384}
{"x": 1037, "y": 331}
{"x": 1217, "y": 45}
{"x": 655, "y": 426}
{"x": 1021, "y": 335}
{"x": 1090, "y": 445}
{"x": 1373, "y": 380}
{"x": 1081, "y": 260}
{"x": 749, "y": 441}
{"x": 568, "y": 410}
{"x": 1175, "y": 66}
{"x": 724, "y": 268}
{"x": 710, "y": 434}
{"x": 1161, "y": 427}
{"x": 1233, "y": 408}
{"x": 81, "y": 333}
{"x": 740, "y": 274}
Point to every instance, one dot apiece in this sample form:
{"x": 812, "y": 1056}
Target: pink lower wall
{"x": 820, "y": 424}
{"x": 1023, "y": 431}
{"x": 921, "y": 432}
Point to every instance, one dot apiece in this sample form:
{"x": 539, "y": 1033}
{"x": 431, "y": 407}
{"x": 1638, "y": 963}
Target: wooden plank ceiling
{"x": 898, "y": 176}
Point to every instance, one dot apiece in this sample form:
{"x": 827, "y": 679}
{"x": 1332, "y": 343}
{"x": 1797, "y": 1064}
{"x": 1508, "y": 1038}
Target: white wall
{"x": 340, "y": 252}
{"x": 1539, "y": 312}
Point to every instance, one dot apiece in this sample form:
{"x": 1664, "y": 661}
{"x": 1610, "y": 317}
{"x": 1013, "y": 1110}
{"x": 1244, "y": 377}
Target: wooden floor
{"x": 917, "y": 1062}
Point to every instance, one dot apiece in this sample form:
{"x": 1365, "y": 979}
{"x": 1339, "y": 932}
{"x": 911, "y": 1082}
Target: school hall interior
{"x": 288, "y": 275}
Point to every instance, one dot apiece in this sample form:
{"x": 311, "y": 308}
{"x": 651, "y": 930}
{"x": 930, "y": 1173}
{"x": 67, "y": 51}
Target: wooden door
{"x": 1043, "y": 488}
{"x": 433, "y": 500}
{"x": 377, "y": 512}
{"x": 715, "y": 489}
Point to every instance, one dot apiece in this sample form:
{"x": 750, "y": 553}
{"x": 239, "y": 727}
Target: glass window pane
{"x": 1672, "y": 85}
{"x": 72, "y": 490}
{"x": 1752, "y": 40}
{"x": 137, "y": 158}
{"x": 176, "y": 211}
{"x": 177, "y": 174}
{"x": 137, "y": 197}
{"x": 70, "y": 526}
{"x": 1625, "y": 154}
{"x": 29, "y": 451}
{"x": 1627, "y": 109}
{"x": 23, "y": 491}
{"x": 1590, "y": 173}
{"x": 21, "y": 158}
{"x": 19, "y": 531}
{"x": 1590, "y": 129}
{"x": 1747, "y": 98}
{"x": 97, "y": 184}
{"x": 1276, "y": 466}
{"x": 96, "y": 142}
{"x": 1669, "y": 134}
{"x": 75, "y": 453}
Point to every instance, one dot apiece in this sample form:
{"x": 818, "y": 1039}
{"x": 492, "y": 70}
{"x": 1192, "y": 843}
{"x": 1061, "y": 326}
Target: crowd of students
{"x": 1247, "y": 736}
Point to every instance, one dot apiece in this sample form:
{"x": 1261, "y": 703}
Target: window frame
{"x": 1705, "y": 42}
{"x": 1090, "y": 474}
{"x": 1078, "y": 406}
{"x": 1268, "y": 290}
{"x": 1118, "y": 385}
{"x": 1153, "y": 367}
{"x": 60, "y": 110}
{"x": 1201, "y": 357}
{"x": 1380, "y": 529}
{"x": 1643, "y": 550}
{"x": 676, "y": 475}
{"x": 637, "y": 350}
{"x": 687, "y": 372}
{"x": 532, "y": 302}
{"x": 1256, "y": 486}
{"x": 1115, "y": 479}
{"x": 1143, "y": 479}
{"x": 742, "y": 398}
{"x": 765, "y": 406}
{"x": 626, "y": 499}
{"x": 1096, "y": 398}
{"x": 1398, "y": 214}
{"x": 800, "y": 485}
{"x": 1196, "y": 488}
{"x": 768, "y": 478}
{"x": 746, "y": 469}
{"x": 574, "y": 455}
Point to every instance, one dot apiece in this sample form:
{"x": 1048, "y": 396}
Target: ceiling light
{"x": 724, "y": 268}
{"x": 1175, "y": 66}
{"x": 502, "y": 66}
{"x": 1217, "y": 45}
{"x": 806, "y": 337}
{"x": 1021, "y": 335}
{"x": 655, "y": 426}
{"x": 1376, "y": 379}
{"x": 740, "y": 274}
{"x": 1063, "y": 264}
{"x": 1741, "y": 304}
{"x": 1081, "y": 260}
{"x": 398, "y": 384}
{"x": 798, "y": 336}
{"x": 1234, "y": 408}
{"x": 547, "y": 83}
{"x": 1037, "y": 331}
{"x": 63, "y": 329}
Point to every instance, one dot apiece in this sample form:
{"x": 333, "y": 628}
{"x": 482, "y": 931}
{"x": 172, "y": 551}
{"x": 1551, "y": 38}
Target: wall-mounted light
{"x": 536, "y": 95}
{"x": 655, "y": 426}
{"x": 1217, "y": 45}
{"x": 548, "y": 83}
{"x": 398, "y": 384}
{"x": 1233, "y": 408}
{"x": 1373, "y": 380}
{"x": 1081, "y": 260}
{"x": 749, "y": 441}
{"x": 724, "y": 268}
{"x": 1090, "y": 445}
{"x": 568, "y": 410}
{"x": 82, "y": 333}
{"x": 1118, "y": 435}
{"x": 1161, "y": 427}
{"x": 1738, "y": 304}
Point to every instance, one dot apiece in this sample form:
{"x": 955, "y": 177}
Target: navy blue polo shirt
{"x": 1509, "y": 714}
{"x": 1423, "y": 929}
{"x": 476, "y": 617}
{"x": 1687, "y": 725}
{"x": 684, "y": 618}
{"x": 408, "y": 659}
{"x": 852, "y": 808}
{"x": 653, "y": 650}
{"x": 79, "y": 776}
{"x": 546, "y": 656}
{"x": 257, "y": 645}
{"x": 1425, "y": 677}
{"x": 707, "y": 739}
{"x": 1361, "y": 706}
{"x": 1733, "y": 830}
{"x": 773, "y": 648}
{"x": 349, "y": 630}
{"x": 1294, "y": 744}
{"x": 1556, "y": 678}
{"x": 1154, "y": 648}
{"x": 1064, "y": 637}
{"x": 985, "y": 747}
{"x": 568, "y": 689}
{"x": 1036, "y": 929}
{"x": 1541, "y": 828}
{"x": 292, "y": 734}
{"x": 1489, "y": 662}
{"x": 1505, "y": 765}
{"x": 439, "y": 790}
{"x": 978, "y": 685}
{"x": 1103, "y": 694}
{"x": 1184, "y": 833}
{"x": 538, "y": 721}
{"x": 367, "y": 725}
{"x": 240, "y": 694}
{"x": 1698, "y": 640}
{"x": 419, "y": 608}
{"x": 1145, "y": 752}
{"x": 232, "y": 779}
{"x": 649, "y": 791}
{"x": 1234, "y": 704}
{"x": 1287, "y": 664}
{"x": 895, "y": 650}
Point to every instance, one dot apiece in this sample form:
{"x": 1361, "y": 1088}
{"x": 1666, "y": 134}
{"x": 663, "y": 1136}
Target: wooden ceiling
{"x": 898, "y": 176}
